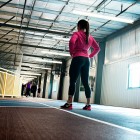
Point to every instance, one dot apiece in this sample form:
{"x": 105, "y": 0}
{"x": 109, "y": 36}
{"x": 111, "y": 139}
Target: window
{"x": 134, "y": 75}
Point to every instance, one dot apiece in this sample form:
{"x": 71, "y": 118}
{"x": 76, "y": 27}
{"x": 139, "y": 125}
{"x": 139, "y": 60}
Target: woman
{"x": 79, "y": 45}
{"x": 28, "y": 89}
{"x": 33, "y": 89}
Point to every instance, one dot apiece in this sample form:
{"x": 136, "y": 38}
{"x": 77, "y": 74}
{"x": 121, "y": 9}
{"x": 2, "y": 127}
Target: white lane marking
{"x": 107, "y": 123}
{"x": 25, "y": 107}
{"x": 9, "y": 102}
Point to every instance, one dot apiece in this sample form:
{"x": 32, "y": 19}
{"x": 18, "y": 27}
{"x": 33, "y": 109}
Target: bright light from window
{"x": 47, "y": 61}
{"x": 134, "y": 75}
{"x": 55, "y": 53}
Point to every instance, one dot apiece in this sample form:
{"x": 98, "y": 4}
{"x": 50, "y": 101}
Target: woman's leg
{"x": 75, "y": 69}
{"x": 33, "y": 93}
{"x": 85, "y": 79}
{"x": 70, "y": 98}
{"x": 88, "y": 101}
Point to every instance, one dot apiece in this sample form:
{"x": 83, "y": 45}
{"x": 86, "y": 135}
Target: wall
{"x": 120, "y": 52}
{"x": 10, "y": 84}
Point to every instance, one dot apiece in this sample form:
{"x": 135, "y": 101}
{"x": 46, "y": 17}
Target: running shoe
{"x": 66, "y": 106}
{"x": 87, "y": 107}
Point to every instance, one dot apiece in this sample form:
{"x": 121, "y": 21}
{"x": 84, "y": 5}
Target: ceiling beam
{"x": 62, "y": 30}
{"x": 63, "y": 23}
{"x": 6, "y": 34}
{"x": 9, "y": 64}
{"x": 5, "y": 3}
{"x": 25, "y": 62}
{"x": 40, "y": 56}
{"x": 33, "y": 46}
{"x": 32, "y": 55}
{"x": 1, "y": 24}
{"x": 127, "y": 1}
{"x": 123, "y": 11}
{"x": 100, "y": 4}
{"x": 37, "y": 30}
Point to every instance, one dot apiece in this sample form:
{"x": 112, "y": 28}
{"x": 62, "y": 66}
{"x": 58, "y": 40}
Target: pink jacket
{"x": 78, "y": 46}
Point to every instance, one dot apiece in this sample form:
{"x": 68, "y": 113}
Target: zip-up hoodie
{"x": 78, "y": 46}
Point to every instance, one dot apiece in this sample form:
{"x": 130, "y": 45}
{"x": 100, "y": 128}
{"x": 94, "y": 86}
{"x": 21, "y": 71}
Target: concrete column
{"x": 63, "y": 69}
{"x": 51, "y": 85}
{"x": 39, "y": 80}
{"x": 100, "y": 63}
{"x": 44, "y": 84}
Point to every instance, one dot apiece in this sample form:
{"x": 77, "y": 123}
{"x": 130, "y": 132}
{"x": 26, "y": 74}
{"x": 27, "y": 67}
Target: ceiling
{"x": 27, "y": 27}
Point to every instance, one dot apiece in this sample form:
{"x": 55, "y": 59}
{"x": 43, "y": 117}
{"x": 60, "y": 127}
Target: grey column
{"x": 44, "y": 85}
{"x": 39, "y": 81}
{"x": 100, "y": 63}
{"x": 63, "y": 69}
{"x": 51, "y": 86}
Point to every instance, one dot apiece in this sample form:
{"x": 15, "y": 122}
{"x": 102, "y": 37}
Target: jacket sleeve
{"x": 96, "y": 48}
{"x": 72, "y": 43}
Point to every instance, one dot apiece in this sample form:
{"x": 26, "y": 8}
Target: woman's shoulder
{"x": 75, "y": 33}
{"x": 91, "y": 37}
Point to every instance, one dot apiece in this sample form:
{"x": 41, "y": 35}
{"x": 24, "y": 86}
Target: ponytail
{"x": 83, "y": 24}
{"x": 87, "y": 32}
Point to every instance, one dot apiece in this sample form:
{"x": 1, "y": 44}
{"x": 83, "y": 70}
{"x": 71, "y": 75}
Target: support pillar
{"x": 44, "y": 84}
{"x": 39, "y": 80}
{"x": 100, "y": 63}
{"x": 63, "y": 69}
{"x": 51, "y": 86}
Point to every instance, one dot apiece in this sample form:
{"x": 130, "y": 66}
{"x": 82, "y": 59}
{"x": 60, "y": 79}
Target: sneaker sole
{"x": 66, "y": 108}
{"x": 87, "y": 109}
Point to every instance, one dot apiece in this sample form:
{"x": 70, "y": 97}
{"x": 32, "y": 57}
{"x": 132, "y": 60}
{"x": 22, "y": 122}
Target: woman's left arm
{"x": 96, "y": 48}
{"x": 72, "y": 43}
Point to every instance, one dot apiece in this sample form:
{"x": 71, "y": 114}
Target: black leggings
{"x": 79, "y": 65}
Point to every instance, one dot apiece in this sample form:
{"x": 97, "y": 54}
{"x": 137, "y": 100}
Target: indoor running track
{"x": 42, "y": 119}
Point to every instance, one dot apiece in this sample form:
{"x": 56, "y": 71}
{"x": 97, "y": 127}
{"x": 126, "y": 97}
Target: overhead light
{"x": 28, "y": 73}
{"x": 57, "y": 37}
{"x": 56, "y": 53}
{"x": 35, "y": 67}
{"x": 97, "y": 15}
{"x": 28, "y": 65}
{"x": 60, "y": 38}
{"x": 40, "y": 68}
{"x": 28, "y": 76}
{"x": 48, "y": 61}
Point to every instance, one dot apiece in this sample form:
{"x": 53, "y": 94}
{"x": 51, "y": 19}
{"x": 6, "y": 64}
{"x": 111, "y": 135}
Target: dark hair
{"x": 83, "y": 24}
